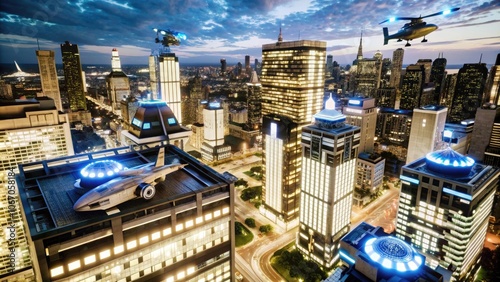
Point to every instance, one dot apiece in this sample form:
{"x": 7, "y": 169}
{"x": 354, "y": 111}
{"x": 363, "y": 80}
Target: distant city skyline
{"x": 232, "y": 29}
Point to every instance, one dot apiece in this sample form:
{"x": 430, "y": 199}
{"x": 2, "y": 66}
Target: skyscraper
{"x": 30, "y": 131}
{"x": 427, "y": 127}
{"x": 444, "y": 206}
{"x": 223, "y": 67}
{"x": 427, "y": 63}
{"x": 292, "y": 88}
{"x": 170, "y": 82}
{"x": 469, "y": 90}
{"x": 117, "y": 82}
{"x": 412, "y": 87}
{"x": 438, "y": 75}
{"x": 73, "y": 76}
{"x": 329, "y": 65}
{"x": 48, "y": 76}
{"x": 254, "y": 103}
{"x": 397, "y": 66}
{"x": 329, "y": 152}
{"x": 368, "y": 75}
{"x": 213, "y": 148}
{"x": 247, "y": 62}
{"x": 485, "y": 135}
{"x": 493, "y": 84}
{"x": 450, "y": 83}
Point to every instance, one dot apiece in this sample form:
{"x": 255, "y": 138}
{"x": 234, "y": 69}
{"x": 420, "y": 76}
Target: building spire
{"x": 481, "y": 58}
{"x": 280, "y": 37}
{"x": 360, "y": 49}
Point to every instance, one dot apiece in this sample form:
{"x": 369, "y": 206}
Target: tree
{"x": 265, "y": 228}
{"x": 250, "y": 222}
{"x": 238, "y": 228}
{"x": 256, "y": 169}
{"x": 241, "y": 182}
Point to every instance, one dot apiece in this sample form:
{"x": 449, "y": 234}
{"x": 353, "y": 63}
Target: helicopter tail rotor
{"x": 386, "y": 35}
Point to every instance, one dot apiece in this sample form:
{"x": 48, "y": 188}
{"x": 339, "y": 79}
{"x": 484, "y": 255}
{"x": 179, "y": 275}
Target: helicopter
{"x": 414, "y": 29}
{"x": 169, "y": 37}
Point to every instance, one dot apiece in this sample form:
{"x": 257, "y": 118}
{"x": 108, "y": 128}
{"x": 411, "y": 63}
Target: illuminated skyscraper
{"x": 185, "y": 232}
{"x": 191, "y": 106}
{"x": 426, "y": 132}
{"x": 468, "y": 92}
{"x": 397, "y": 66}
{"x": 448, "y": 90}
{"x": 170, "y": 82}
{"x": 292, "y": 88}
{"x": 48, "y": 76}
{"x": 30, "y": 130}
{"x": 427, "y": 63}
{"x": 444, "y": 207}
{"x": 368, "y": 75}
{"x": 438, "y": 75}
{"x": 117, "y": 82}
{"x": 329, "y": 65}
{"x": 493, "y": 84}
{"x": 73, "y": 77}
{"x": 412, "y": 87}
{"x": 223, "y": 67}
{"x": 329, "y": 152}
{"x": 254, "y": 103}
{"x": 247, "y": 62}
{"x": 362, "y": 113}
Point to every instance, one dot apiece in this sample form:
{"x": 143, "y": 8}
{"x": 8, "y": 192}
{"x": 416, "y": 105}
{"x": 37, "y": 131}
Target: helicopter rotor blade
{"x": 398, "y": 19}
{"x": 445, "y": 12}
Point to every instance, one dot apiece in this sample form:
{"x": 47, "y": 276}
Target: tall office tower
{"x": 412, "y": 87}
{"x": 427, "y": 126}
{"x": 191, "y": 105}
{"x": 329, "y": 65}
{"x": 223, "y": 67}
{"x": 247, "y": 62}
{"x": 469, "y": 90}
{"x": 256, "y": 62}
{"x": 30, "y": 130}
{"x": 370, "y": 168}
{"x": 368, "y": 75}
{"x": 336, "y": 71}
{"x": 292, "y": 92}
{"x": 117, "y": 82}
{"x": 329, "y": 152}
{"x": 254, "y": 103}
{"x": 213, "y": 148}
{"x": 48, "y": 76}
{"x": 493, "y": 84}
{"x": 153, "y": 77}
{"x": 485, "y": 138}
{"x": 444, "y": 207}
{"x": 448, "y": 90}
{"x": 438, "y": 75}
{"x": 170, "y": 82}
{"x": 427, "y": 63}
{"x": 185, "y": 232}
{"x": 397, "y": 66}
{"x": 73, "y": 77}
{"x": 362, "y": 113}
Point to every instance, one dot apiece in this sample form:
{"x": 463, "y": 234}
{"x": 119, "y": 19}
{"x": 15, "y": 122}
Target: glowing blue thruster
{"x": 181, "y": 35}
{"x": 392, "y": 19}
{"x": 448, "y": 133}
{"x": 446, "y": 12}
{"x": 100, "y": 169}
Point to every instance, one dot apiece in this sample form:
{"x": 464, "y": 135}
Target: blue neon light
{"x": 409, "y": 179}
{"x": 146, "y": 125}
{"x": 346, "y": 257}
{"x": 100, "y": 169}
{"x": 392, "y": 253}
{"x": 153, "y": 102}
{"x": 392, "y": 19}
{"x": 136, "y": 122}
{"x": 354, "y": 102}
{"x": 446, "y": 12}
{"x": 171, "y": 121}
{"x": 458, "y": 194}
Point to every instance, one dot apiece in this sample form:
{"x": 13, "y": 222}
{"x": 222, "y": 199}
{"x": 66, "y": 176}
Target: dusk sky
{"x": 231, "y": 29}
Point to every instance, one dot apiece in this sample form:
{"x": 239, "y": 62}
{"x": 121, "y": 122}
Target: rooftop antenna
{"x": 38, "y": 43}
{"x": 481, "y": 58}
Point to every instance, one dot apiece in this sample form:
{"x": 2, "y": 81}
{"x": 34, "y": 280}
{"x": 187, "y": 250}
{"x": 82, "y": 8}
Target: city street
{"x": 252, "y": 259}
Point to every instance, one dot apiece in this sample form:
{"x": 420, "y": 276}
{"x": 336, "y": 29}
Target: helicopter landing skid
{"x": 424, "y": 40}
{"x": 407, "y": 44}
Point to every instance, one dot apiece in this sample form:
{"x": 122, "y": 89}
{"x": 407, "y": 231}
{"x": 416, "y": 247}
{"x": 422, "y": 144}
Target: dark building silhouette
{"x": 469, "y": 89}
{"x": 223, "y": 67}
{"x": 493, "y": 85}
{"x": 438, "y": 75}
{"x": 73, "y": 76}
{"x": 254, "y": 104}
{"x": 412, "y": 87}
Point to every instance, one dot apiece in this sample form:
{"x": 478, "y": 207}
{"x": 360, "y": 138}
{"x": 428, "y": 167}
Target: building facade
{"x": 412, "y": 87}
{"x": 329, "y": 152}
{"x": 444, "y": 207}
{"x": 30, "y": 130}
{"x": 213, "y": 147}
{"x": 73, "y": 76}
{"x": 184, "y": 233}
{"x": 292, "y": 91}
{"x": 48, "y": 76}
{"x": 427, "y": 127}
{"x": 117, "y": 83}
{"x": 397, "y": 66}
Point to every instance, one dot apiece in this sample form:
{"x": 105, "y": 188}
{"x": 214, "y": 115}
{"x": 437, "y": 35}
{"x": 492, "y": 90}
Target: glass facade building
{"x": 73, "y": 76}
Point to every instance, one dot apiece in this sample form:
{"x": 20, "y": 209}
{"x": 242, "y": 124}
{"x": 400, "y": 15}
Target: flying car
{"x": 170, "y": 37}
{"x": 414, "y": 29}
{"x": 129, "y": 184}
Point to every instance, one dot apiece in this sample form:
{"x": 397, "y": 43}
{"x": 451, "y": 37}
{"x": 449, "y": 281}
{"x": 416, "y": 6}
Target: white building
{"x": 48, "y": 76}
{"x": 329, "y": 151}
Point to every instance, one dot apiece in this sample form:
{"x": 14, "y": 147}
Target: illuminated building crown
{"x": 449, "y": 162}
